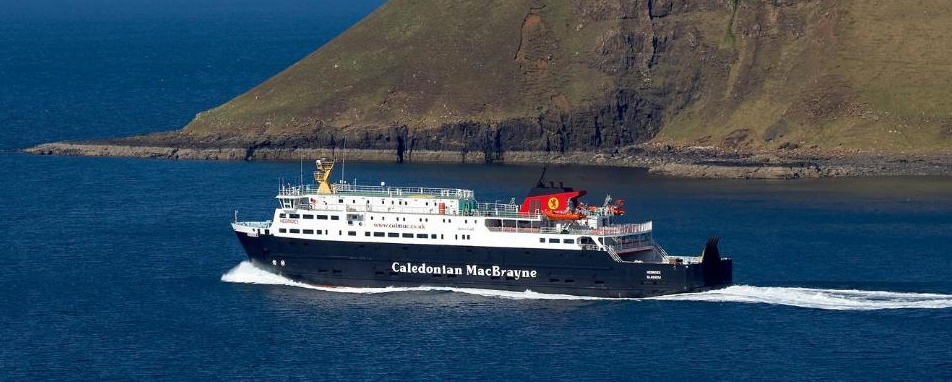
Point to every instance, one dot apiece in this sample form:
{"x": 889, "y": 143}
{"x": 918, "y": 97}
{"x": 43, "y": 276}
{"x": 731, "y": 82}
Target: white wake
{"x": 829, "y": 299}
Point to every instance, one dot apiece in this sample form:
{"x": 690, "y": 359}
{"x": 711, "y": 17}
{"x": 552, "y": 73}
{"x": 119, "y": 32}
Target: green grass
{"x": 885, "y": 65}
{"x": 730, "y": 40}
{"x": 850, "y": 74}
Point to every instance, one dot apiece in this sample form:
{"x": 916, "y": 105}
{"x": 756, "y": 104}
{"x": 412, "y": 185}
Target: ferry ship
{"x": 348, "y": 235}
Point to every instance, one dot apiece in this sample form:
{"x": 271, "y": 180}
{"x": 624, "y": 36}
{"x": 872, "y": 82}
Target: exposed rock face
{"x": 571, "y": 76}
{"x": 692, "y": 162}
{"x": 496, "y": 78}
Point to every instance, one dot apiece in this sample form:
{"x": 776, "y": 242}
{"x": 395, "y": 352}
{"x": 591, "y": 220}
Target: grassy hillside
{"x": 421, "y": 64}
{"x": 856, "y": 74}
{"x": 601, "y": 74}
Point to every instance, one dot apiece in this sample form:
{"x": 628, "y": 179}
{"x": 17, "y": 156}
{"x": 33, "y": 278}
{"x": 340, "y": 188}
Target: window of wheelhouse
{"x": 535, "y": 205}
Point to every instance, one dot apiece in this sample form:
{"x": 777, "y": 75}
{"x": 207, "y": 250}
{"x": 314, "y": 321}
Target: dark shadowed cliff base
{"x": 659, "y": 159}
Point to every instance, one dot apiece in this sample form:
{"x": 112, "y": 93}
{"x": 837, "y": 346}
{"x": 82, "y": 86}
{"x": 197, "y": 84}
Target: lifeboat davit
{"x": 563, "y": 215}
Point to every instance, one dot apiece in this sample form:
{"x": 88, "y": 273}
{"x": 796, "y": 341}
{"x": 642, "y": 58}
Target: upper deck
{"x": 380, "y": 191}
{"x": 555, "y": 212}
{"x": 506, "y": 216}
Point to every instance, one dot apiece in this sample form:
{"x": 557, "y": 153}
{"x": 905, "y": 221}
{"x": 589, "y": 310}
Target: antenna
{"x": 343, "y": 157}
{"x": 541, "y": 177}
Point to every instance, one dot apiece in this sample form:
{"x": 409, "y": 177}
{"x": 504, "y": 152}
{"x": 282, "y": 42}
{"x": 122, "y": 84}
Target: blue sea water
{"x": 126, "y": 269}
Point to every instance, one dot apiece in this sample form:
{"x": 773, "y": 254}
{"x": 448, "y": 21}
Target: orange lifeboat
{"x": 618, "y": 208}
{"x": 563, "y": 215}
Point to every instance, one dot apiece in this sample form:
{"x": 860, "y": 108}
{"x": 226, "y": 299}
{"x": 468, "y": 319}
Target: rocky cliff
{"x": 498, "y": 77}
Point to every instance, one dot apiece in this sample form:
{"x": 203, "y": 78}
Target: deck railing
{"x": 427, "y": 210}
{"x": 264, "y": 224}
{"x": 515, "y": 229}
{"x": 613, "y": 230}
{"x": 407, "y": 192}
{"x": 612, "y": 253}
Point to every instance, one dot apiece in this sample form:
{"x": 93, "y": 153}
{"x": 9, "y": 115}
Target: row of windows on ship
{"x": 410, "y": 235}
{"x": 350, "y": 217}
{"x": 382, "y": 201}
{"x": 406, "y": 235}
{"x": 288, "y": 202}
{"x": 491, "y": 223}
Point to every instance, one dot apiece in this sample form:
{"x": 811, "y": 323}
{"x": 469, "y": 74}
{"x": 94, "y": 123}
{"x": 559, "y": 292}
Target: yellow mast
{"x": 323, "y": 175}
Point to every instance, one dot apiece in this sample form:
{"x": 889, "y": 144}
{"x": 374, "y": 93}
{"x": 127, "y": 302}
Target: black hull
{"x": 377, "y": 265}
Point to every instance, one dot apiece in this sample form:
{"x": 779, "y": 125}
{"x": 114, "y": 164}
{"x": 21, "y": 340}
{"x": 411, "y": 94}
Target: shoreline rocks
{"x": 661, "y": 160}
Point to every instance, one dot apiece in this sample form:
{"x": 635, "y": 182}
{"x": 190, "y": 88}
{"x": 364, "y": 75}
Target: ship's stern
{"x": 718, "y": 272}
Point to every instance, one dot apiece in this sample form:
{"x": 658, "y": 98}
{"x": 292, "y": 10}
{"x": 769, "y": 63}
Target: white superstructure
{"x": 449, "y": 216}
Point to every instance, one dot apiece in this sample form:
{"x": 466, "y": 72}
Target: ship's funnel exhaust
{"x": 716, "y": 272}
{"x": 711, "y": 253}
